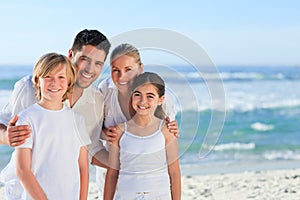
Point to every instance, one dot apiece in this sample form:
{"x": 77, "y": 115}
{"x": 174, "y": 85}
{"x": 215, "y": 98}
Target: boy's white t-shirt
{"x": 55, "y": 142}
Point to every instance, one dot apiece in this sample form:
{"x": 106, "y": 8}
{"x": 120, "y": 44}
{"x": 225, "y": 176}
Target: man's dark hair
{"x": 91, "y": 37}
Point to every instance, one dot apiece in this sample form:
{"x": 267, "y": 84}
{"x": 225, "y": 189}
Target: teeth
{"x": 87, "y": 75}
{"x": 123, "y": 83}
{"x": 54, "y": 90}
{"x": 142, "y": 107}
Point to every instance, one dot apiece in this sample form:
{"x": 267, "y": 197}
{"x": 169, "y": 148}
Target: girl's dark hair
{"x": 159, "y": 84}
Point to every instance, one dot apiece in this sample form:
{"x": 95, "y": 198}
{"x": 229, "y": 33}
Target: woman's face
{"x": 123, "y": 70}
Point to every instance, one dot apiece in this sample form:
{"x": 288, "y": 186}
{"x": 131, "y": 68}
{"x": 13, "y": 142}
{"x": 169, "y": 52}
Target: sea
{"x": 232, "y": 118}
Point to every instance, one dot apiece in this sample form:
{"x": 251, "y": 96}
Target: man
{"x": 88, "y": 53}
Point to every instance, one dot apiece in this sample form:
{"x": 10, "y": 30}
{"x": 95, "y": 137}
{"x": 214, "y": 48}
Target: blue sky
{"x": 232, "y": 32}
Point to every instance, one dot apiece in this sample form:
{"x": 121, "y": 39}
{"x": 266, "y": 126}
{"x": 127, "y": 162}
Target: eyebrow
{"x": 98, "y": 61}
{"x": 146, "y": 93}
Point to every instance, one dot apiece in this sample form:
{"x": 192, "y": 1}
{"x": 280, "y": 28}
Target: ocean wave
{"x": 282, "y": 155}
{"x": 234, "y": 146}
{"x": 262, "y": 127}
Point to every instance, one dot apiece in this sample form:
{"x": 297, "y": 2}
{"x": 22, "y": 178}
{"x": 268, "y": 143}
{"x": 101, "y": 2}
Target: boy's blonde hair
{"x": 46, "y": 64}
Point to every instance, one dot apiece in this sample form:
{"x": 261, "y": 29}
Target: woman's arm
{"x": 173, "y": 164}
{"x": 83, "y": 162}
{"x": 23, "y": 170}
{"x": 113, "y": 169}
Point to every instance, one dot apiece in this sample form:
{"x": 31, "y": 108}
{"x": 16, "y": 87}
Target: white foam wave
{"x": 282, "y": 155}
{"x": 262, "y": 127}
{"x": 234, "y": 146}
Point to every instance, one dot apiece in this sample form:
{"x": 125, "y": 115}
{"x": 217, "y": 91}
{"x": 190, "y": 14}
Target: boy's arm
{"x": 173, "y": 164}
{"x": 23, "y": 169}
{"x": 83, "y": 162}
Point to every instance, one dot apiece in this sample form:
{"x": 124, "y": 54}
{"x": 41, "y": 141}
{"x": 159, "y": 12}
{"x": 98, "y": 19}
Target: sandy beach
{"x": 272, "y": 184}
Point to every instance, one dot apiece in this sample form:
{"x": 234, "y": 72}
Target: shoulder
{"x": 106, "y": 85}
{"x": 24, "y": 82}
{"x": 92, "y": 93}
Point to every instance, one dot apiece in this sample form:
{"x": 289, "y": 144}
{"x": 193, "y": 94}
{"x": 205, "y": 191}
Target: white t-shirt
{"x": 55, "y": 142}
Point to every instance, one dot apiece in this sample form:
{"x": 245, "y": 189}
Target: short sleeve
{"x": 22, "y": 97}
{"x": 169, "y": 106}
{"x": 29, "y": 141}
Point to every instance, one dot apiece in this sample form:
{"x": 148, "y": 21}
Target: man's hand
{"x": 109, "y": 134}
{"x": 172, "y": 126}
{"x": 17, "y": 134}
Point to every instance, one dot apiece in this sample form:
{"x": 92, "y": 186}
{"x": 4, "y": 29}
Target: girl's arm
{"x": 113, "y": 168}
{"x": 83, "y": 162}
{"x": 173, "y": 164}
{"x": 23, "y": 170}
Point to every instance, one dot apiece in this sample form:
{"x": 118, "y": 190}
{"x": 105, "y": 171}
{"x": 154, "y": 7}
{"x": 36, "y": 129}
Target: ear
{"x": 141, "y": 68}
{"x": 161, "y": 100}
{"x": 36, "y": 81}
{"x": 70, "y": 54}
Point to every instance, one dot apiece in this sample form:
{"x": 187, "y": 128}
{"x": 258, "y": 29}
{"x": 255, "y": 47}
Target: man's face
{"x": 89, "y": 62}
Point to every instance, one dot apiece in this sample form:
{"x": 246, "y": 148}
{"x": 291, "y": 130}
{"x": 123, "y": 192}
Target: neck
{"x": 51, "y": 105}
{"x": 142, "y": 121}
{"x": 75, "y": 95}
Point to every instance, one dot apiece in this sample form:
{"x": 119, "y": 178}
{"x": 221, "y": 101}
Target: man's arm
{"x": 14, "y": 135}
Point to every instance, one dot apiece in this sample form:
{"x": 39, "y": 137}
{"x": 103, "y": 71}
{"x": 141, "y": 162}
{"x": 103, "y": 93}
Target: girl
{"x": 143, "y": 159}
{"x": 126, "y": 64}
{"x": 53, "y": 162}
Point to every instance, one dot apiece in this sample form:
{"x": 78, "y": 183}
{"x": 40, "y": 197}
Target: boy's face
{"x": 123, "y": 70}
{"x": 54, "y": 85}
{"x": 89, "y": 63}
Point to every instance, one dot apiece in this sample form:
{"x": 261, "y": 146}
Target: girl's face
{"x": 54, "y": 85}
{"x": 145, "y": 99}
{"x": 123, "y": 70}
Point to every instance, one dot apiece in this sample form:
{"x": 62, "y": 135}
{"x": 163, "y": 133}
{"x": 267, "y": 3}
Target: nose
{"x": 53, "y": 81}
{"x": 143, "y": 99}
{"x": 89, "y": 67}
{"x": 122, "y": 75}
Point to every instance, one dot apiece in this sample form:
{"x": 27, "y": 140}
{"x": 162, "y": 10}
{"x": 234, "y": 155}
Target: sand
{"x": 272, "y": 184}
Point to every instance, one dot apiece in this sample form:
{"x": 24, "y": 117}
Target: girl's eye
{"x": 150, "y": 97}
